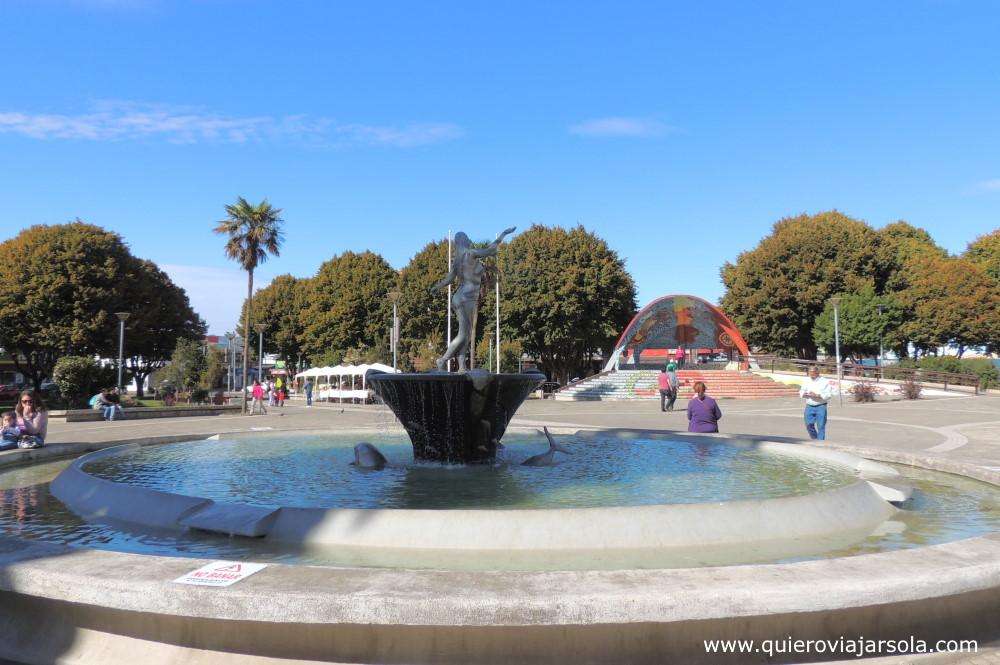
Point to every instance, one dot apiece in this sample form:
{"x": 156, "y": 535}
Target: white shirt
{"x": 820, "y": 386}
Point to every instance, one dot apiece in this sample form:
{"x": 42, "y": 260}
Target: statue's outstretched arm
{"x": 491, "y": 249}
{"x": 449, "y": 278}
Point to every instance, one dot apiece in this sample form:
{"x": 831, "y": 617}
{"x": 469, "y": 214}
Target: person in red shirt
{"x": 258, "y": 399}
{"x": 666, "y": 391}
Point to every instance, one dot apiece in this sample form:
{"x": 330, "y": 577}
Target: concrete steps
{"x": 642, "y": 384}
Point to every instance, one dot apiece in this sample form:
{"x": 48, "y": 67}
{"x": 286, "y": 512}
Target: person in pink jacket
{"x": 258, "y": 399}
{"x": 32, "y": 418}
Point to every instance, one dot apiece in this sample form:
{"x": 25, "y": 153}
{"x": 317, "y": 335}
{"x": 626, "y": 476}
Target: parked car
{"x": 10, "y": 391}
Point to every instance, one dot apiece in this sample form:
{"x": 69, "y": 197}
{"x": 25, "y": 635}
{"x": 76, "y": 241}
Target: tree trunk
{"x": 28, "y": 370}
{"x": 246, "y": 339}
{"x": 140, "y": 380}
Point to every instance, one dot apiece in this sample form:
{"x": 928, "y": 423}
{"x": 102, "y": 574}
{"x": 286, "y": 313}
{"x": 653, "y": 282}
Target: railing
{"x": 875, "y": 373}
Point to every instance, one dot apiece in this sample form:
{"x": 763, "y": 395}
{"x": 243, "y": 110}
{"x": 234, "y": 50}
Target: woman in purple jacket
{"x": 703, "y": 412}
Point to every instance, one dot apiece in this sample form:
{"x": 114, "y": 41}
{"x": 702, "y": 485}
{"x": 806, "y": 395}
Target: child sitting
{"x": 11, "y": 433}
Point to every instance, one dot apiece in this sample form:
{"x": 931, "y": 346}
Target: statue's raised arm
{"x": 491, "y": 249}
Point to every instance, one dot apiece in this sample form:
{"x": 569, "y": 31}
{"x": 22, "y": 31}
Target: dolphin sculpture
{"x": 367, "y": 456}
{"x": 546, "y": 458}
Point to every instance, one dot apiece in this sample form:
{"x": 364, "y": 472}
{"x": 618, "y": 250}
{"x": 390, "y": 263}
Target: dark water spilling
{"x": 454, "y": 418}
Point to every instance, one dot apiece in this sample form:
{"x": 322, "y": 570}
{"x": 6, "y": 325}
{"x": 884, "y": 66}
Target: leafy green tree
{"x": 253, "y": 232}
{"x": 281, "y": 307}
{"x": 861, "y": 325}
{"x": 954, "y": 302}
{"x": 348, "y": 305}
{"x": 510, "y": 351}
{"x": 984, "y": 251}
{"x": 775, "y": 291}
{"x": 904, "y": 246}
{"x": 59, "y": 288}
{"x": 565, "y": 295}
{"x": 423, "y": 315}
{"x": 80, "y": 377}
{"x": 422, "y": 356}
{"x": 161, "y": 314}
{"x": 186, "y": 367}
{"x": 213, "y": 376}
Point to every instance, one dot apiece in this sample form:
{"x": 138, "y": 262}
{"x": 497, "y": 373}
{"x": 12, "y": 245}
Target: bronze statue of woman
{"x": 468, "y": 269}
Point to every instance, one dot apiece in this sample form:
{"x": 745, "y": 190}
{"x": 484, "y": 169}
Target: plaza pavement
{"x": 962, "y": 429}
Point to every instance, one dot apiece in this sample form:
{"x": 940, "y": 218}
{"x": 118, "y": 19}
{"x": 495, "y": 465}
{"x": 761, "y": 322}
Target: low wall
{"x": 143, "y": 412}
{"x": 89, "y": 606}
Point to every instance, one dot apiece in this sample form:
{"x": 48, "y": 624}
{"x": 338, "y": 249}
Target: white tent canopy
{"x": 344, "y": 370}
{"x": 331, "y": 390}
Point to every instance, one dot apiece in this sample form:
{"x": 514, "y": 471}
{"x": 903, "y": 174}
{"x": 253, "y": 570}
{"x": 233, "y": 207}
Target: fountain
{"x": 457, "y": 418}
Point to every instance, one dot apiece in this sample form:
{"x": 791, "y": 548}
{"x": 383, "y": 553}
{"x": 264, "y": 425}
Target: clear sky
{"x": 678, "y": 131}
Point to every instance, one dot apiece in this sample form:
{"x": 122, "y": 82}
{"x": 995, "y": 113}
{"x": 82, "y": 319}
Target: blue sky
{"x": 678, "y": 131}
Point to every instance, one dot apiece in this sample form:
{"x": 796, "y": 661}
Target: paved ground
{"x": 965, "y": 429}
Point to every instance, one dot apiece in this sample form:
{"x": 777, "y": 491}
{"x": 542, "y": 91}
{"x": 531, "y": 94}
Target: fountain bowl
{"x": 454, "y": 418}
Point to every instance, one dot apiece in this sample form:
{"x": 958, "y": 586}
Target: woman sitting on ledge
{"x": 703, "y": 412}
{"x": 32, "y": 418}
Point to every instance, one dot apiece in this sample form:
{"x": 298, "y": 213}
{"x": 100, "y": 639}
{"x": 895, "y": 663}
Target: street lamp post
{"x": 122, "y": 317}
{"x": 229, "y": 365}
{"x": 836, "y": 343}
{"x": 881, "y": 333}
{"x": 497, "y": 302}
{"x": 394, "y": 335}
{"x": 259, "y": 327}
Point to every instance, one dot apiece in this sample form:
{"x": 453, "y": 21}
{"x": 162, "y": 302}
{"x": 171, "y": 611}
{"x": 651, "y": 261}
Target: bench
{"x": 144, "y": 412}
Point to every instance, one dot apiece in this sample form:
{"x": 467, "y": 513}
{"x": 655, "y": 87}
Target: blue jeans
{"x": 309, "y": 398}
{"x": 816, "y": 421}
{"x": 110, "y": 411}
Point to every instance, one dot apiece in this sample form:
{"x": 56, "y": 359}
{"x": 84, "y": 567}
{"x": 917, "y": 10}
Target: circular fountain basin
{"x": 633, "y": 498}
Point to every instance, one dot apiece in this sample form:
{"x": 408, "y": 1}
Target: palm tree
{"x": 254, "y": 232}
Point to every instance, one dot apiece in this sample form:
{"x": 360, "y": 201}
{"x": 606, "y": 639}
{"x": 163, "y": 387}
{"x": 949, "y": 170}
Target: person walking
{"x": 817, "y": 391}
{"x": 703, "y": 412}
{"x": 679, "y": 357}
{"x": 258, "y": 399}
{"x": 674, "y": 384}
{"x": 309, "y": 392}
{"x": 664, "y": 382}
